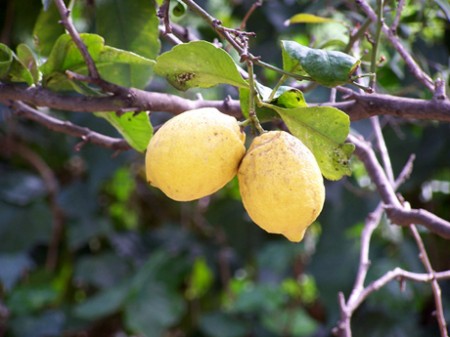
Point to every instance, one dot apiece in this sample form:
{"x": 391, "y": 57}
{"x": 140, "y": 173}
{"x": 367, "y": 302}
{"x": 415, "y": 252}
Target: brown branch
{"x": 66, "y": 127}
{"x": 359, "y": 106}
{"x": 405, "y": 217}
{"x": 362, "y": 106}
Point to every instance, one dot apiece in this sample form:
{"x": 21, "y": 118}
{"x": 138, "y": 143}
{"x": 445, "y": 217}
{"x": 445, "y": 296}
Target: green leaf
{"x": 47, "y": 29}
{"x": 6, "y": 59}
{"x": 129, "y": 25}
{"x": 290, "y": 322}
{"x": 287, "y": 97}
{"x": 153, "y": 309}
{"x": 198, "y": 64}
{"x": 118, "y": 66}
{"x": 324, "y": 131}
{"x": 27, "y": 58}
{"x": 124, "y": 68}
{"x": 329, "y": 68}
{"x": 201, "y": 279}
{"x": 104, "y": 303}
{"x": 219, "y": 324}
{"x": 178, "y": 8}
{"x": 307, "y": 18}
{"x": 134, "y": 127}
{"x": 66, "y": 56}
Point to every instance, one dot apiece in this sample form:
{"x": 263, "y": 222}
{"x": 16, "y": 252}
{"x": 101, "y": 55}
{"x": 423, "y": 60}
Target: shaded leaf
{"x": 104, "y": 303}
{"x": 11, "y": 68}
{"x": 47, "y": 28}
{"x": 291, "y": 322}
{"x": 141, "y": 36}
{"x": 13, "y": 267}
{"x": 221, "y": 325}
{"x": 153, "y": 309}
{"x": 47, "y": 323}
{"x": 329, "y": 68}
{"x": 27, "y": 58}
{"x": 6, "y": 59}
{"x": 324, "y": 131}
{"x": 198, "y": 64}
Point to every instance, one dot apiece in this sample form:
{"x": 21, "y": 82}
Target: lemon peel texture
{"x": 281, "y": 185}
{"x": 194, "y": 154}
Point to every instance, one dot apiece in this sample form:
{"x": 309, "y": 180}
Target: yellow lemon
{"x": 281, "y": 184}
{"x": 195, "y": 154}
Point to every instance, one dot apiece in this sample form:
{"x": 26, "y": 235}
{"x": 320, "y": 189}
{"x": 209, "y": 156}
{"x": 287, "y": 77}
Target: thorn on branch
{"x": 439, "y": 90}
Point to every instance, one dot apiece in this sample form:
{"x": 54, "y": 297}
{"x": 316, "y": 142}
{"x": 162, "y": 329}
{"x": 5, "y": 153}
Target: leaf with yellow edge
{"x": 308, "y": 18}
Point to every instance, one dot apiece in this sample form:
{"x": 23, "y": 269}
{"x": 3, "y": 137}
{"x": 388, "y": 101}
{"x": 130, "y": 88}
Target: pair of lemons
{"x": 197, "y": 152}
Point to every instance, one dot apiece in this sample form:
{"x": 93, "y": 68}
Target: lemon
{"x": 281, "y": 184}
{"x": 194, "y": 154}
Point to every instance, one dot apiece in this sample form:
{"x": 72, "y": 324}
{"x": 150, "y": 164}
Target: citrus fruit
{"x": 281, "y": 184}
{"x": 194, "y": 154}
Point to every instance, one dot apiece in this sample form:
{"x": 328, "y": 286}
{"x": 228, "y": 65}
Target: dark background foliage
{"x": 130, "y": 261}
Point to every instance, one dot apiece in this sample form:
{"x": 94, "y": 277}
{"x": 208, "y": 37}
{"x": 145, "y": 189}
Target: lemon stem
{"x": 251, "y": 102}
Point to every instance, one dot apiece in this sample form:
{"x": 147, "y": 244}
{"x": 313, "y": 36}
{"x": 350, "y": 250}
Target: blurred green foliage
{"x": 131, "y": 262}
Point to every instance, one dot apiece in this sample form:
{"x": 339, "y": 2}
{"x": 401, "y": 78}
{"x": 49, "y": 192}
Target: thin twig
{"x": 398, "y": 14}
{"x": 254, "y": 6}
{"x": 434, "y": 283}
{"x": 66, "y": 127}
{"x": 381, "y": 144}
{"x": 68, "y": 24}
{"x": 400, "y": 274}
{"x": 411, "y": 63}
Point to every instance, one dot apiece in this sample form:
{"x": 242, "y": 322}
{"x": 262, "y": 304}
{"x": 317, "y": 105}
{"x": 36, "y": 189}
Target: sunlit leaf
{"x": 324, "y": 131}
{"x": 134, "y": 127}
{"x": 307, "y": 18}
{"x": 198, "y": 64}
{"x": 329, "y": 68}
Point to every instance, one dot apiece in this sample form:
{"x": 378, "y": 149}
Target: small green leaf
{"x": 134, "y": 127}
{"x": 289, "y": 98}
{"x": 6, "y": 59}
{"x": 11, "y": 68}
{"x": 27, "y": 58}
{"x": 307, "y": 18}
{"x": 198, "y": 64}
{"x": 104, "y": 303}
{"x": 201, "y": 279}
{"x": 329, "y": 68}
{"x": 178, "y": 8}
{"x": 324, "y": 131}
{"x": 65, "y": 54}
{"x": 153, "y": 309}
